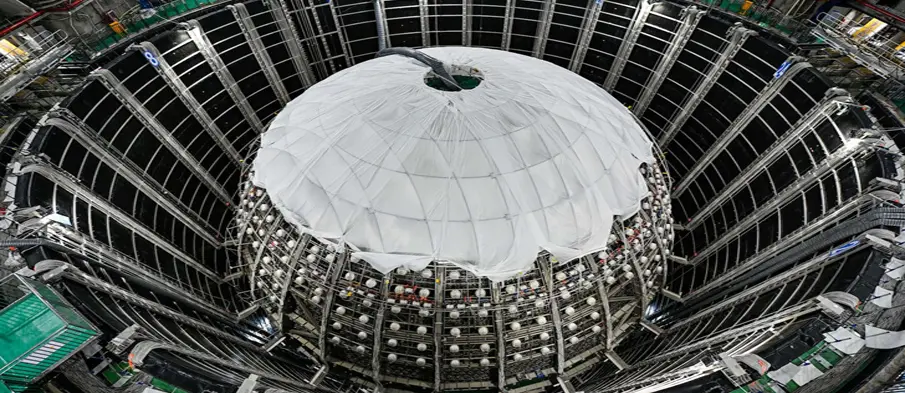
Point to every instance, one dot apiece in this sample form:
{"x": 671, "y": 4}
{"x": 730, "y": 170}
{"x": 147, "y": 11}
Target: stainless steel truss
{"x": 628, "y": 43}
{"x": 737, "y": 37}
{"x": 65, "y": 181}
{"x": 557, "y": 319}
{"x": 496, "y": 297}
{"x": 150, "y": 122}
{"x": 383, "y": 35}
{"x": 604, "y": 303}
{"x": 378, "y": 329}
{"x": 293, "y": 43}
{"x": 822, "y": 111}
{"x": 438, "y": 327}
{"x": 339, "y": 33}
{"x": 543, "y": 28}
{"x": 467, "y": 14}
{"x": 588, "y": 24}
{"x": 690, "y": 18}
{"x": 243, "y": 19}
{"x": 70, "y": 124}
{"x": 782, "y": 197}
{"x": 196, "y": 33}
{"x": 508, "y": 16}
{"x": 423, "y": 15}
{"x": 337, "y": 266}
{"x": 188, "y": 99}
{"x": 751, "y": 111}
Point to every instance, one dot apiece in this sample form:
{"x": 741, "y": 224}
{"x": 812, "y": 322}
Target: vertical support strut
{"x": 78, "y": 130}
{"x": 440, "y": 278}
{"x": 605, "y": 303}
{"x": 467, "y": 14}
{"x": 320, "y": 33}
{"x": 292, "y": 39}
{"x": 378, "y": 328}
{"x": 588, "y": 24}
{"x": 383, "y": 35}
{"x": 543, "y": 28}
{"x": 423, "y": 14}
{"x": 182, "y": 91}
{"x": 690, "y": 18}
{"x": 634, "y": 30}
{"x": 738, "y": 35}
{"x": 196, "y": 33}
{"x": 557, "y": 319}
{"x": 337, "y": 267}
{"x": 508, "y": 17}
{"x": 829, "y": 104}
{"x": 496, "y": 296}
{"x": 339, "y": 33}
{"x": 248, "y": 28}
{"x": 160, "y": 132}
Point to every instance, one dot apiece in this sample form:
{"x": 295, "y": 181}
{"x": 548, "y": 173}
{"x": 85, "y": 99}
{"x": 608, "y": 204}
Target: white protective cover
{"x": 535, "y": 157}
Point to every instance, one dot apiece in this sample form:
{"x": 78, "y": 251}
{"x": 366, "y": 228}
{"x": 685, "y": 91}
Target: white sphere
{"x": 349, "y": 276}
{"x": 363, "y": 319}
{"x": 513, "y": 310}
{"x": 366, "y": 303}
{"x": 596, "y": 329}
{"x": 565, "y": 295}
{"x": 629, "y": 275}
{"x": 291, "y": 244}
{"x": 330, "y": 257}
{"x": 561, "y": 276}
{"x": 572, "y": 326}
{"x": 626, "y": 267}
{"x": 545, "y": 336}
{"x": 454, "y": 314}
{"x": 337, "y": 325}
{"x": 335, "y": 340}
{"x": 424, "y": 313}
{"x": 541, "y": 320}
{"x": 517, "y": 343}
{"x": 455, "y": 363}
{"x": 545, "y": 351}
{"x": 574, "y": 340}
{"x": 360, "y": 349}
{"x": 454, "y": 275}
{"x": 341, "y": 310}
{"x": 455, "y": 294}
{"x": 533, "y": 284}
{"x": 480, "y": 293}
{"x": 315, "y": 299}
{"x": 427, "y": 273}
{"x": 515, "y": 326}
{"x": 395, "y": 327}
{"x": 280, "y": 233}
{"x": 539, "y": 303}
{"x": 455, "y": 332}
{"x": 399, "y": 289}
{"x": 591, "y": 301}
{"x": 255, "y": 244}
{"x": 422, "y": 347}
{"x": 420, "y": 361}
{"x": 402, "y": 271}
{"x": 422, "y": 330}
{"x": 424, "y": 292}
{"x": 483, "y": 313}
{"x": 659, "y": 269}
{"x": 510, "y": 289}
{"x": 483, "y": 331}
{"x": 485, "y": 362}
{"x": 311, "y": 258}
{"x": 362, "y": 335}
{"x": 392, "y": 357}
{"x": 485, "y": 347}
{"x": 454, "y": 348}
{"x": 371, "y": 283}
{"x": 249, "y": 231}
{"x": 392, "y": 342}
{"x": 570, "y": 310}
{"x": 517, "y": 357}
{"x": 595, "y": 315}
{"x": 610, "y": 280}
{"x": 395, "y": 309}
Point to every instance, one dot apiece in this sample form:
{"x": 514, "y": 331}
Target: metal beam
{"x": 378, "y": 328}
{"x": 243, "y": 19}
{"x": 737, "y": 37}
{"x": 557, "y": 319}
{"x": 543, "y": 28}
{"x": 628, "y": 43}
{"x": 337, "y": 267}
{"x": 467, "y": 14}
{"x": 188, "y": 99}
{"x": 751, "y": 111}
{"x": 380, "y": 14}
{"x": 138, "y": 110}
{"x": 293, "y": 43}
{"x": 439, "y": 282}
{"x": 782, "y": 197}
{"x": 72, "y": 185}
{"x": 497, "y": 298}
{"x": 339, "y": 33}
{"x": 588, "y": 24}
{"x": 508, "y": 16}
{"x": 320, "y": 33}
{"x": 690, "y": 17}
{"x": 604, "y": 301}
{"x": 80, "y": 132}
{"x": 196, "y": 33}
{"x": 423, "y": 15}
{"x": 822, "y": 111}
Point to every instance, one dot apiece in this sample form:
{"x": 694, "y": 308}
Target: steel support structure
{"x": 496, "y": 295}
{"x": 438, "y": 326}
{"x": 243, "y": 19}
{"x": 508, "y": 19}
{"x": 81, "y": 133}
{"x": 339, "y": 33}
{"x": 737, "y": 37}
{"x": 196, "y": 33}
{"x": 337, "y": 267}
{"x": 138, "y": 110}
{"x": 751, "y": 111}
{"x": 383, "y": 31}
{"x": 588, "y": 24}
{"x": 72, "y": 185}
{"x": 786, "y": 194}
{"x": 423, "y": 15}
{"x": 822, "y": 111}
{"x": 557, "y": 319}
{"x": 605, "y": 303}
{"x": 628, "y": 43}
{"x": 467, "y": 29}
{"x": 188, "y": 99}
{"x": 293, "y": 43}
{"x": 378, "y": 328}
{"x": 320, "y": 33}
{"x": 691, "y": 15}
{"x": 543, "y": 28}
